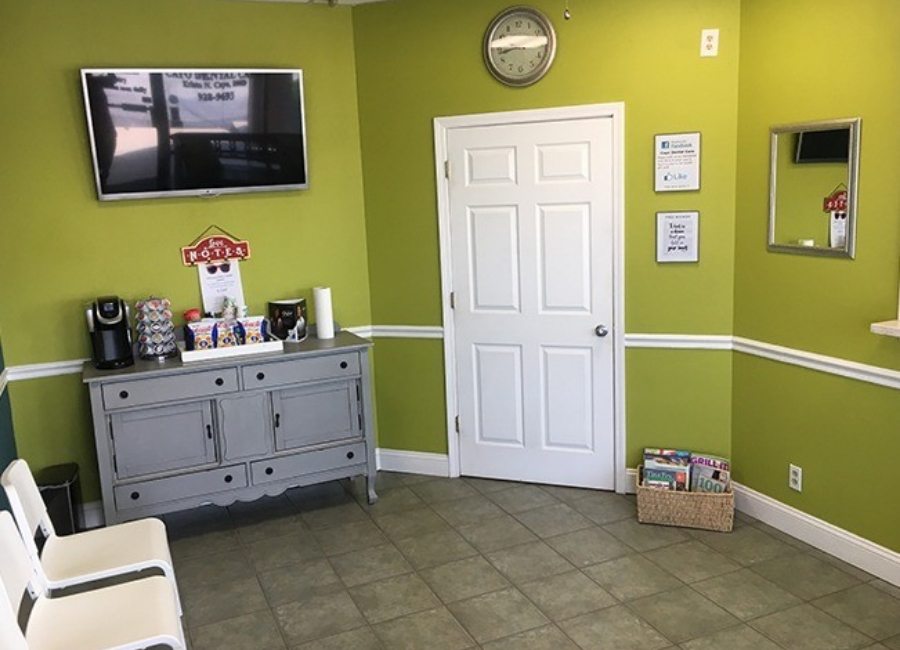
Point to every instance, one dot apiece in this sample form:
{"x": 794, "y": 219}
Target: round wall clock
{"x": 519, "y": 46}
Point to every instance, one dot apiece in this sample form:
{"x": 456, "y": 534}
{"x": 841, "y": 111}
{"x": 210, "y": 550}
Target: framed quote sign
{"x": 677, "y": 237}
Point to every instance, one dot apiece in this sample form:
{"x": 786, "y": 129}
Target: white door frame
{"x": 442, "y": 127}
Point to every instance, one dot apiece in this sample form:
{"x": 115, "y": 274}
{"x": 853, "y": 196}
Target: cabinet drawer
{"x": 122, "y": 394}
{"x": 288, "y": 467}
{"x": 161, "y": 490}
{"x": 331, "y": 366}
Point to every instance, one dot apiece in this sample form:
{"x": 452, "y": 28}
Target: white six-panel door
{"x": 531, "y": 241}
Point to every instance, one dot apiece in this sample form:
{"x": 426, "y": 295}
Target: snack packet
{"x": 255, "y": 329}
{"x": 199, "y": 336}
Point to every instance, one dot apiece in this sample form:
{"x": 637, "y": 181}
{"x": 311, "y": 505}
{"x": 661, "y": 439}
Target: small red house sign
{"x": 215, "y": 248}
{"x": 837, "y": 202}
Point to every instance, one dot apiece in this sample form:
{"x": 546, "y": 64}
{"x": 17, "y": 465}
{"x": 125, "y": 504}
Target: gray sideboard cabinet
{"x": 171, "y": 436}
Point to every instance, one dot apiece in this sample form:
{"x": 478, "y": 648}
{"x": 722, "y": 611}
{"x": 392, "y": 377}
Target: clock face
{"x": 519, "y": 46}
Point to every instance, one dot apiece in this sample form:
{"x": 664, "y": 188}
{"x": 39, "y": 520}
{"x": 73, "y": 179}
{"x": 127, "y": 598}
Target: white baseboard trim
{"x": 802, "y": 358}
{"x": 364, "y": 331}
{"x": 679, "y": 341}
{"x": 412, "y": 462}
{"x": 38, "y": 370}
{"x": 407, "y": 332}
{"x": 842, "y": 544}
{"x": 397, "y": 331}
{"x": 851, "y": 548}
{"x": 811, "y": 360}
{"x": 631, "y": 475}
{"x": 92, "y": 514}
{"x": 820, "y": 362}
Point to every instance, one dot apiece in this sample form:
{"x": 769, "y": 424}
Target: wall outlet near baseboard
{"x": 795, "y": 478}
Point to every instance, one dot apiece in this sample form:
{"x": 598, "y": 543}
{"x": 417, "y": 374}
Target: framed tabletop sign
{"x": 677, "y": 237}
{"x": 677, "y": 162}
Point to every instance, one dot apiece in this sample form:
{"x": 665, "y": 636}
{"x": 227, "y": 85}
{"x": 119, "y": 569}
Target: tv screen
{"x": 832, "y": 145}
{"x": 195, "y": 132}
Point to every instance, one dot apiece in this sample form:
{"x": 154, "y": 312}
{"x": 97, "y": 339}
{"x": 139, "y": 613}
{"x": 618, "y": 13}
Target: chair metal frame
{"x": 90, "y": 616}
{"x": 31, "y": 515}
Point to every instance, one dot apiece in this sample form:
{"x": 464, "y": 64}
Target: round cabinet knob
{"x": 344, "y": 365}
{"x": 350, "y": 454}
{"x": 269, "y": 471}
{"x": 601, "y": 331}
{"x": 229, "y": 478}
{"x": 135, "y": 496}
{"x": 123, "y": 394}
{"x": 220, "y": 381}
{"x": 260, "y": 376}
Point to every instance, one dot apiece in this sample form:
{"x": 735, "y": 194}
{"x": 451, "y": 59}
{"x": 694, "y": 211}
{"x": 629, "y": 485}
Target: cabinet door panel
{"x": 316, "y": 414}
{"x": 245, "y": 423}
{"x": 163, "y": 439}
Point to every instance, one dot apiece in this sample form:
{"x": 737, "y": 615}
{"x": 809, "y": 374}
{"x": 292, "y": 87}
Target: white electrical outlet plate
{"x": 709, "y": 42}
{"x": 795, "y": 478}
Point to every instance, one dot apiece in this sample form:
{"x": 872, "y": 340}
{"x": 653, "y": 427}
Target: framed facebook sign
{"x": 677, "y": 161}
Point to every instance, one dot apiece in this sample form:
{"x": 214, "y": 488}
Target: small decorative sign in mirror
{"x": 813, "y": 182}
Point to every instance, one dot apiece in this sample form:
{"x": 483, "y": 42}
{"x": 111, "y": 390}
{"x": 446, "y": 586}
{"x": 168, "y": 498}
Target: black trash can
{"x": 62, "y": 494}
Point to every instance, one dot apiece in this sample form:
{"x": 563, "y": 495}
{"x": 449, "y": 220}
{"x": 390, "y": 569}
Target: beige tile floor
{"x": 466, "y": 563}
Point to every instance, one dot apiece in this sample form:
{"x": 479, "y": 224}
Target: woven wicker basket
{"x": 688, "y": 509}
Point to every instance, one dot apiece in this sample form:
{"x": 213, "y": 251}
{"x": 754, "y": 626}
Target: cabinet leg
{"x": 370, "y": 488}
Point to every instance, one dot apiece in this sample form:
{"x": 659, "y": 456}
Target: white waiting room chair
{"x": 88, "y": 556}
{"x": 128, "y": 616}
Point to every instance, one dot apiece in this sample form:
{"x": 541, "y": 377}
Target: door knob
{"x": 601, "y": 331}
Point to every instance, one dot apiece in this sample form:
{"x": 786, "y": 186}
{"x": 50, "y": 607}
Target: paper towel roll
{"x": 324, "y": 314}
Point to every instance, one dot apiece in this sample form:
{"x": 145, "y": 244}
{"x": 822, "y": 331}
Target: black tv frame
{"x": 202, "y": 191}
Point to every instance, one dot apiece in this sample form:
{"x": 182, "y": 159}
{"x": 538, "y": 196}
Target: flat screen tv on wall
{"x": 195, "y": 132}
{"x": 828, "y": 146}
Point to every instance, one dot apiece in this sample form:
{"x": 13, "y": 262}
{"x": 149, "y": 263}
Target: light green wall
{"x": 788, "y": 74}
{"x": 842, "y": 432}
{"x": 60, "y": 247}
{"x": 410, "y": 395}
{"x": 52, "y": 422}
{"x": 421, "y": 59}
{"x": 677, "y": 399}
{"x": 838, "y": 430}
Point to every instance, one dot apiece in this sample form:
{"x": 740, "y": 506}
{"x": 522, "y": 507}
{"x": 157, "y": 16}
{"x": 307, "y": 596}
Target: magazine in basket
{"x": 668, "y": 469}
{"x": 710, "y": 473}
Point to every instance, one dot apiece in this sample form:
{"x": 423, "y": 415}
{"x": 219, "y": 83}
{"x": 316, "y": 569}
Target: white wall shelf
{"x": 887, "y": 328}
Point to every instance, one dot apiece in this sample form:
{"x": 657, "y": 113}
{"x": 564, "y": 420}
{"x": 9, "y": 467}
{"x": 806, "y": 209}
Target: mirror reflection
{"x": 812, "y": 192}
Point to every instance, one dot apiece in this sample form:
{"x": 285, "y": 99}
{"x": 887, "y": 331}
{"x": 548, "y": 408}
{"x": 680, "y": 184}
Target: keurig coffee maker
{"x": 108, "y": 323}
